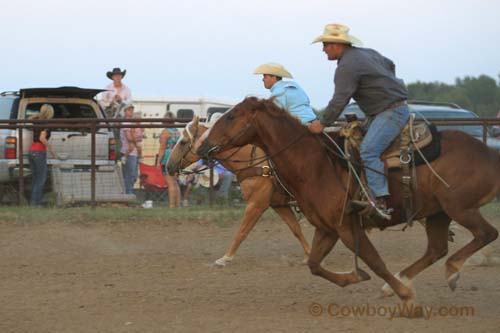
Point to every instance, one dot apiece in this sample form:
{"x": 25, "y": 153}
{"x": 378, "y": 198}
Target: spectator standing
{"x": 225, "y": 181}
{"x": 38, "y": 154}
{"x": 129, "y": 152}
{"x": 138, "y": 134}
{"x": 168, "y": 139}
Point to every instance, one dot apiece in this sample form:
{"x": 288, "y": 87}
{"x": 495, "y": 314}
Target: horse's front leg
{"x": 323, "y": 243}
{"x": 370, "y": 256}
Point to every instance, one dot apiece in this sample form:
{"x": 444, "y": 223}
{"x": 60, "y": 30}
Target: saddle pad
{"x": 431, "y": 151}
{"x": 421, "y": 134}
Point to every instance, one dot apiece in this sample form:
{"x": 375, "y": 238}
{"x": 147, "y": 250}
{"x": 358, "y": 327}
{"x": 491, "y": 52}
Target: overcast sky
{"x": 210, "y": 48}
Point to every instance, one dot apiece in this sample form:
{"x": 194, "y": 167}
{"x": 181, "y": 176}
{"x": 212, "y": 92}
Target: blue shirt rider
{"x": 287, "y": 94}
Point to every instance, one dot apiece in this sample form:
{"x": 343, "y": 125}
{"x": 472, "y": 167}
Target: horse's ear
{"x": 196, "y": 121}
{"x": 194, "y": 125}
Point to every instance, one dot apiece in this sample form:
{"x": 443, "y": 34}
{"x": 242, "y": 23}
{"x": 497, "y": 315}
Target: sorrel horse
{"x": 260, "y": 192}
{"x": 319, "y": 183}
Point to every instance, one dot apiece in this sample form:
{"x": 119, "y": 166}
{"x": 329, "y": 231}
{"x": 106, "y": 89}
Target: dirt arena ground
{"x": 150, "y": 276}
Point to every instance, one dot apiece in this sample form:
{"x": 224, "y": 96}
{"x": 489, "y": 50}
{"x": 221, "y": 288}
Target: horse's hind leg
{"x": 483, "y": 232}
{"x": 322, "y": 244}
{"x": 436, "y": 228}
{"x": 370, "y": 256}
{"x": 288, "y": 216}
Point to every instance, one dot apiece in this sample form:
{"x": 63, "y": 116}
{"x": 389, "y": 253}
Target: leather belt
{"x": 397, "y": 104}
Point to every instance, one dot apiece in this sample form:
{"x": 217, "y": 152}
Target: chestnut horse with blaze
{"x": 319, "y": 183}
{"x": 259, "y": 191}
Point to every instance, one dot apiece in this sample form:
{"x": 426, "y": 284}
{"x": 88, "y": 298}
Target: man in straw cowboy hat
{"x": 117, "y": 92}
{"x": 369, "y": 78}
{"x": 287, "y": 94}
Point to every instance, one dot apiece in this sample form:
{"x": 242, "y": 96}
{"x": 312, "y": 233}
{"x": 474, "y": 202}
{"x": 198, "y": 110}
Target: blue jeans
{"x": 38, "y": 167}
{"x": 225, "y": 185}
{"x": 384, "y": 128}
{"x": 130, "y": 174}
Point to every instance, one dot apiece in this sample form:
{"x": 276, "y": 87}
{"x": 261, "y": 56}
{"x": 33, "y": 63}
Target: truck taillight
{"x": 10, "y": 151}
{"x": 112, "y": 149}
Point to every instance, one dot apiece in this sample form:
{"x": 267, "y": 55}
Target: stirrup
{"x": 369, "y": 208}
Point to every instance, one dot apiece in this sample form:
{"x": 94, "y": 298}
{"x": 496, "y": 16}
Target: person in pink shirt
{"x": 117, "y": 93}
{"x": 138, "y": 134}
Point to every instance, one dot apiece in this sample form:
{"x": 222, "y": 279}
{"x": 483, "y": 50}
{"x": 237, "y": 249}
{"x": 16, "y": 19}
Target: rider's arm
{"x": 346, "y": 83}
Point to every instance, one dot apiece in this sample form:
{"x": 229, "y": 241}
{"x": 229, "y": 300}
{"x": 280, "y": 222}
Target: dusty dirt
{"x": 157, "y": 277}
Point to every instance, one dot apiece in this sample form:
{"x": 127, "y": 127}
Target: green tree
{"x": 479, "y": 94}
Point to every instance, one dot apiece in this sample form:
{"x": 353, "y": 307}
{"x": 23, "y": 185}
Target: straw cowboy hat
{"x": 204, "y": 178}
{"x": 273, "y": 69}
{"x": 337, "y": 33}
{"x": 46, "y": 112}
{"x": 116, "y": 70}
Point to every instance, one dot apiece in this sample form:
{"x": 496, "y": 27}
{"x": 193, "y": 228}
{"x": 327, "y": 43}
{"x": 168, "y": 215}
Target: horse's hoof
{"x": 222, "y": 262}
{"x": 362, "y": 275}
{"x": 387, "y": 291}
{"x": 411, "y": 309}
{"x": 305, "y": 260}
{"x": 452, "y": 280}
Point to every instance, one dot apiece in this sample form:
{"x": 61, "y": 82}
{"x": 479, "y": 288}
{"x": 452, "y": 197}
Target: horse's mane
{"x": 270, "y": 107}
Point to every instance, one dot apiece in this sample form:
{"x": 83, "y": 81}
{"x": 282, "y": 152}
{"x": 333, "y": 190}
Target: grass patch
{"x": 219, "y": 215}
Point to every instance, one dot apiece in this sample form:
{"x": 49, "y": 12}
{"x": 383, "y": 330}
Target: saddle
{"x": 412, "y": 137}
{"x": 400, "y": 153}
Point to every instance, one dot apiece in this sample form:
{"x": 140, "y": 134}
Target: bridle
{"x": 253, "y": 161}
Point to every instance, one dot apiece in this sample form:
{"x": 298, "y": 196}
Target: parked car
{"x": 431, "y": 110}
{"x": 73, "y": 146}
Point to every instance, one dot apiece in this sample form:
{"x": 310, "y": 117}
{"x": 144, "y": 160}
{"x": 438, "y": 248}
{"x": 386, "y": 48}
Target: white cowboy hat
{"x": 204, "y": 178}
{"x": 273, "y": 69}
{"x": 337, "y": 33}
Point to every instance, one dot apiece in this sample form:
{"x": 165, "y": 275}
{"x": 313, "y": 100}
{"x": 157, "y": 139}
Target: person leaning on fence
{"x": 117, "y": 93}
{"x": 370, "y": 79}
{"x": 38, "y": 154}
{"x": 168, "y": 139}
{"x": 129, "y": 152}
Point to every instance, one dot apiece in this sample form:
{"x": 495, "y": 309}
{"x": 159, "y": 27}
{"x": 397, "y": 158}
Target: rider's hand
{"x": 316, "y": 127}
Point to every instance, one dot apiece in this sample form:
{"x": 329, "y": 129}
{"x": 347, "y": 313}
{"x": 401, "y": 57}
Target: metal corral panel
{"x": 73, "y": 185}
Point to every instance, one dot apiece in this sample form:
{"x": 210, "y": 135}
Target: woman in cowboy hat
{"x": 38, "y": 154}
{"x": 369, "y": 78}
{"x": 117, "y": 92}
{"x": 287, "y": 94}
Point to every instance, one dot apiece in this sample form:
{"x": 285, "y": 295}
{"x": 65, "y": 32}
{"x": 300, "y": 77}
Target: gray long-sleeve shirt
{"x": 369, "y": 78}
